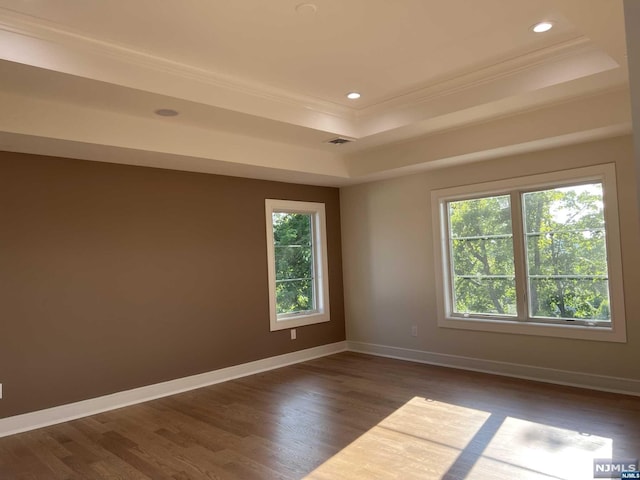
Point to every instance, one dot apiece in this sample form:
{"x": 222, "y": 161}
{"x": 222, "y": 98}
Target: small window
{"x": 535, "y": 255}
{"x": 297, "y": 263}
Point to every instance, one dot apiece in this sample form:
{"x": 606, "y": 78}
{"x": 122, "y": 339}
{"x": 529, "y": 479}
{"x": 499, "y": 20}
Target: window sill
{"x": 581, "y": 332}
{"x": 295, "y": 321}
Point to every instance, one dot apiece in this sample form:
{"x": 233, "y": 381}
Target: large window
{"x": 535, "y": 255}
{"x": 297, "y": 263}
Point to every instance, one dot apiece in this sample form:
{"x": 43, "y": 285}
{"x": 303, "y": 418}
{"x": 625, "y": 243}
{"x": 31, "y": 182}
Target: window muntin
{"x": 567, "y": 263}
{"x": 297, "y": 263}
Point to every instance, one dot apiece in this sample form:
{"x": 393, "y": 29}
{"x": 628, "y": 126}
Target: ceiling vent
{"x": 339, "y": 140}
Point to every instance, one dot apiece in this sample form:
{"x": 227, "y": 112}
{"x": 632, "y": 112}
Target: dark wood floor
{"x": 346, "y": 416}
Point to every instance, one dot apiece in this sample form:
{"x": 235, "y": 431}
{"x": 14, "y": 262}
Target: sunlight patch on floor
{"x": 426, "y": 439}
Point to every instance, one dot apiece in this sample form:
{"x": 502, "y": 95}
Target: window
{"x": 297, "y": 263}
{"x": 535, "y": 255}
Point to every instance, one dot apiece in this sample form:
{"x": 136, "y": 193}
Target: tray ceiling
{"x": 260, "y": 87}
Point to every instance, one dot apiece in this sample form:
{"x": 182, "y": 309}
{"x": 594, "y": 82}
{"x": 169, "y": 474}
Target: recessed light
{"x": 307, "y": 9}
{"x": 353, "y": 95}
{"x": 166, "y": 112}
{"x": 542, "y": 27}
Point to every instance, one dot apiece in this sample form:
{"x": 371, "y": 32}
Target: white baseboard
{"x": 604, "y": 383}
{"x": 72, "y": 411}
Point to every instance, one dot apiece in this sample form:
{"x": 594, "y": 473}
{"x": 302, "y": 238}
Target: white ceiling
{"x": 260, "y": 86}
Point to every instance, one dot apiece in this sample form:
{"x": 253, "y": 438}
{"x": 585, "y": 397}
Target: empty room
{"x": 359, "y": 239}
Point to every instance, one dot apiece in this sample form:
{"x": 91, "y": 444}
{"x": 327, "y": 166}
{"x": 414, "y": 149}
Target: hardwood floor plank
{"x": 345, "y": 416}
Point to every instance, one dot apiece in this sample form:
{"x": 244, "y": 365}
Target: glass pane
{"x": 293, "y": 261}
{"x": 294, "y": 296}
{"x": 586, "y": 299}
{"x": 567, "y": 208}
{"x": 572, "y": 253}
{"x": 491, "y": 256}
{"x": 566, "y": 253}
{"x": 485, "y": 295}
{"x": 480, "y": 217}
{"x": 291, "y": 228}
{"x": 481, "y": 252}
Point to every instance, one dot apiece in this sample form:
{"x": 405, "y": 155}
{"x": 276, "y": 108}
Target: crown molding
{"x": 474, "y": 77}
{"x": 51, "y": 32}
{"x": 77, "y": 53}
{"x": 540, "y": 70}
{"x": 577, "y": 120}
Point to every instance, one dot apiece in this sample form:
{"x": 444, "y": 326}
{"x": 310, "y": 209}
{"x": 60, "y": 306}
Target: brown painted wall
{"x": 113, "y": 277}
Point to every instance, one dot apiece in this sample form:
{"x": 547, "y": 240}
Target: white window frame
{"x": 321, "y": 278}
{"x": 605, "y": 173}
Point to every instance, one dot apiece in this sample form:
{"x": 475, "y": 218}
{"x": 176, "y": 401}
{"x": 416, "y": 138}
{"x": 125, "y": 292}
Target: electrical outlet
{"x": 293, "y": 334}
{"x": 414, "y": 330}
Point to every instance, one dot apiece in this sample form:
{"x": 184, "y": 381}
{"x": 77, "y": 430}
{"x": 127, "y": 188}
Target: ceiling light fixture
{"x": 542, "y": 27}
{"x": 307, "y": 9}
{"x": 353, "y": 95}
{"x": 166, "y": 112}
